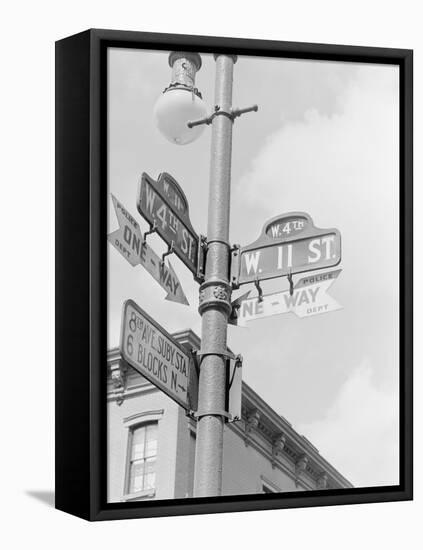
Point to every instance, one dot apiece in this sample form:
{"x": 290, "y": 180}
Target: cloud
{"x": 359, "y": 432}
{"x": 323, "y": 141}
{"x": 341, "y": 168}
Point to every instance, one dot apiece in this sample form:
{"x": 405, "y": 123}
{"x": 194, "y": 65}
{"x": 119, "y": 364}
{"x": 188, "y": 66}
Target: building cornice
{"x": 260, "y": 426}
{"x": 271, "y": 425}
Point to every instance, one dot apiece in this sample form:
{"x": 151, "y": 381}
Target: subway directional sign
{"x": 151, "y": 351}
{"x": 163, "y": 204}
{"x": 289, "y": 243}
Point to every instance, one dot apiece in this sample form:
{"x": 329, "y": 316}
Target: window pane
{"x": 150, "y": 481}
{"x": 142, "y": 467}
{"x": 138, "y": 443}
{"x": 152, "y": 430}
{"x": 151, "y": 448}
{"x": 151, "y": 440}
{"x": 136, "y": 477}
{"x": 150, "y": 465}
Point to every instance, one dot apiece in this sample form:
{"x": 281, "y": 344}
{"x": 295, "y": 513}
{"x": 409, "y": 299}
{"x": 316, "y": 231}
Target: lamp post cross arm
{"x": 232, "y": 114}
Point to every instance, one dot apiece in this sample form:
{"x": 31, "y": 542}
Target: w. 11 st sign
{"x": 289, "y": 243}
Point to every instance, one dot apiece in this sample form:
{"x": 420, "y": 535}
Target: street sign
{"x": 308, "y": 298}
{"x": 129, "y": 242}
{"x": 288, "y": 244}
{"x": 147, "y": 347}
{"x": 163, "y": 204}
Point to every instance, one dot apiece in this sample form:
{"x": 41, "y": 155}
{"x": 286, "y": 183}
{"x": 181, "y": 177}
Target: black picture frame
{"x": 81, "y": 278}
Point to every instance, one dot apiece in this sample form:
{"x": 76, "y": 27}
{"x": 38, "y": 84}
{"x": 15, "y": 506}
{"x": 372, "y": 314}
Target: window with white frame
{"x": 142, "y": 458}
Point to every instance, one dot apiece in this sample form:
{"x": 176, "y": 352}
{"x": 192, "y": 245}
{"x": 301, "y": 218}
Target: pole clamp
{"x": 220, "y": 241}
{"x": 232, "y": 115}
{"x": 225, "y": 354}
{"x": 200, "y": 414}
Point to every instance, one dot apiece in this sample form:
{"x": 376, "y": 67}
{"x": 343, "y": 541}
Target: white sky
{"x": 324, "y": 141}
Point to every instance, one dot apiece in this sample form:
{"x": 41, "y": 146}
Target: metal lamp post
{"x": 215, "y": 295}
{"x": 215, "y": 291}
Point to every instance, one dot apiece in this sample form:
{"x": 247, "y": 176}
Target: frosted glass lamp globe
{"x": 174, "y": 109}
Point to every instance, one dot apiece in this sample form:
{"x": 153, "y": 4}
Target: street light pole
{"x": 181, "y": 99}
{"x": 215, "y": 294}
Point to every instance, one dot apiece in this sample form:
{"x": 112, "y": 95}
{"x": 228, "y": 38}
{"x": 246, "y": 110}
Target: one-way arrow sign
{"x": 128, "y": 241}
{"x": 309, "y": 298}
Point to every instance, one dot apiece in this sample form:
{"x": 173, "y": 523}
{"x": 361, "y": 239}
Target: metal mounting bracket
{"x": 225, "y": 414}
{"x": 234, "y": 270}
{"x": 259, "y": 290}
{"x": 291, "y": 283}
{"x": 153, "y": 229}
{"x": 218, "y": 241}
{"x": 202, "y": 250}
{"x": 232, "y": 115}
{"x": 236, "y": 306}
{"x": 237, "y": 365}
{"x": 170, "y": 250}
{"x": 224, "y": 354}
{"x": 194, "y": 355}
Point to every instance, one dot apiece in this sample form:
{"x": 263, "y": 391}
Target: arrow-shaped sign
{"x": 309, "y": 298}
{"x": 129, "y": 242}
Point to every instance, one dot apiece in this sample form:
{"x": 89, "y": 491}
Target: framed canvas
{"x": 233, "y": 274}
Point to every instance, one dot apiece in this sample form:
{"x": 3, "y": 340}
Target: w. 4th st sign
{"x": 164, "y": 205}
{"x": 289, "y": 244}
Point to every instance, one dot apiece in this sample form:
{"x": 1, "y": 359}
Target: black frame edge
{"x": 82, "y": 425}
{"x": 72, "y": 173}
{"x": 406, "y": 272}
{"x": 250, "y": 46}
